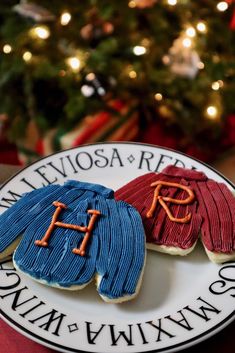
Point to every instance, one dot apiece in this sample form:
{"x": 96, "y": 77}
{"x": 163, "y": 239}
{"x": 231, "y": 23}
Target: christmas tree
{"x": 94, "y": 70}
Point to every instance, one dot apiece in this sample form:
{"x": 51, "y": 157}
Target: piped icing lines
{"x": 88, "y": 230}
{"x": 59, "y": 207}
{"x": 54, "y": 222}
{"x": 217, "y": 205}
{"x": 85, "y": 217}
{"x": 20, "y": 215}
{"x": 126, "y": 254}
{"x": 174, "y": 225}
{"x": 212, "y": 211}
{"x": 163, "y": 199}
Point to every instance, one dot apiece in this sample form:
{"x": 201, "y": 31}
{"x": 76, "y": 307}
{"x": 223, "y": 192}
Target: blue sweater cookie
{"x": 69, "y": 234}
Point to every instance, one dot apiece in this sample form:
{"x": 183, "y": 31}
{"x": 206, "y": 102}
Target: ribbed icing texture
{"x": 115, "y": 251}
{"x": 212, "y": 210}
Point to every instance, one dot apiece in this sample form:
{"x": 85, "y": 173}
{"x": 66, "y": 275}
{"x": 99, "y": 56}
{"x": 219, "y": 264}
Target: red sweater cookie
{"x": 178, "y": 205}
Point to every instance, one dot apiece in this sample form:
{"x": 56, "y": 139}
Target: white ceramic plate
{"x": 182, "y": 301}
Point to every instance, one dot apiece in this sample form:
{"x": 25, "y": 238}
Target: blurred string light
{"x": 217, "y": 85}
{"x": 222, "y": 6}
{"x": 74, "y": 63}
{"x": 187, "y": 42}
{"x": 132, "y": 74}
{"x": 200, "y": 65}
{"x": 41, "y": 32}
{"x": 172, "y": 2}
{"x": 201, "y": 27}
{"x": 87, "y": 90}
{"x": 90, "y": 77}
{"x": 27, "y": 56}
{"x": 7, "y": 49}
{"x": 139, "y": 50}
{"x": 212, "y": 112}
{"x": 190, "y": 32}
{"x": 65, "y": 18}
{"x": 158, "y": 97}
{"x": 132, "y": 4}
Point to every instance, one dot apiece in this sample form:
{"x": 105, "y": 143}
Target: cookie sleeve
{"x": 15, "y": 219}
{"x": 217, "y": 205}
